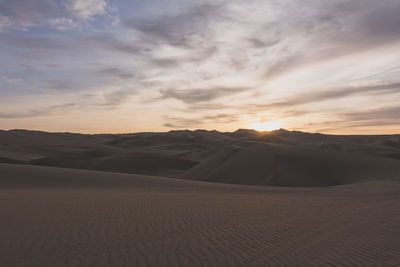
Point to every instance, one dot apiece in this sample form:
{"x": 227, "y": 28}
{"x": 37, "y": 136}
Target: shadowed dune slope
{"x": 140, "y": 163}
{"x": 24, "y": 146}
{"x": 65, "y": 217}
{"x": 286, "y": 165}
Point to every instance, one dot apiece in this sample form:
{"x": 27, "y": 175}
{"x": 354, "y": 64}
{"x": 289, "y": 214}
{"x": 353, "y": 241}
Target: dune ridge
{"x": 279, "y": 158}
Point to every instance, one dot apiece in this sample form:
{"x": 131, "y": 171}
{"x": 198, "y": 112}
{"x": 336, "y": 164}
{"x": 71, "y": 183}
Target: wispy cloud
{"x": 201, "y": 95}
{"x": 115, "y": 72}
{"x": 179, "y": 29}
{"x": 199, "y": 121}
{"x": 332, "y": 94}
{"x": 116, "y": 97}
{"x": 35, "y": 42}
{"x": 61, "y": 15}
{"x": 39, "y": 111}
{"x": 387, "y": 113}
{"x": 11, "y": 80}
{"x": 110, "y": 42}
{"x": 60, "y": 85}
{"x": 85, "y": 9}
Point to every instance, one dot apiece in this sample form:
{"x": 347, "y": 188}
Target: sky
{"x": 118, "y": 66}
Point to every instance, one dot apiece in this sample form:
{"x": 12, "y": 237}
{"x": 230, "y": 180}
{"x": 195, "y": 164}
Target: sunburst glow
{"x": 266, "y": 126}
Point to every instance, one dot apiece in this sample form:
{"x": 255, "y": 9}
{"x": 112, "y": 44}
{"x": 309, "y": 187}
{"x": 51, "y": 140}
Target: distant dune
{"x": 283, "y": 158}
{"x": 65, "y": 217}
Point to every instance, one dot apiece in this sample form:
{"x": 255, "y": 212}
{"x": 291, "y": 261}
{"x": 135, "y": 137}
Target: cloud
{"x": 258, "y": 43}
{"x": 36, "y": 112}
{"x": 5, "y": 23}
{"x": 85, "y": 9}
{"x": 20, "y": 14}
{"x": 190, "y": 96}
{"x": 221, "y": 118}
{"x": 110, "y": 42}
{"x": 63, "y": 23}
{"x": 386, "y": 113}
{"x": 381, "y": 117}
{"x": 11, "y": 80}
{"x": 115, "y": 72}
{"x": 206, "y": 106}
{"x": 147, "y": 54}
{"x": 331, "y": 30}
{"x": 35, "y": 42}
{"x": 116, "y": 97}
{"x": 61, "y": 85}
{"x": 61, "y": 15}
{"x": 178, "y": 29}
{"x": 183, "y": 122}
{"x": 313, "y": 97}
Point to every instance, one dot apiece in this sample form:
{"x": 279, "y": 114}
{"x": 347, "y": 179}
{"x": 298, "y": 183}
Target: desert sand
{"x": 62, "y": 217}
{"x": 237, "y": 199}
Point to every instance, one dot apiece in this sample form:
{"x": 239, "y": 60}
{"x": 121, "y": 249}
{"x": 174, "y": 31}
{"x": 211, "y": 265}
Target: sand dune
{"x": 140, "y": 163}
{"x": 64, "y": 217}
{"x": 286, "y": 165}
{"x": 24, "y": 146}
{"x": 287, "y": 158}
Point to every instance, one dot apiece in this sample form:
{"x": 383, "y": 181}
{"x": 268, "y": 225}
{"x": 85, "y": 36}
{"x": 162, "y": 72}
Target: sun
{"x": 266, "y": 126}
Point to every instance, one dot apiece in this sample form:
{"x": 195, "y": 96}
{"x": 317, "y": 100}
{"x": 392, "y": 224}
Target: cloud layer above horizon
{"x": 125, "y": 66}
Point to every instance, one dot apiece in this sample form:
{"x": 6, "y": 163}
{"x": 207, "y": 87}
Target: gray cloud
{"x": 117, "y": 97}
{"x": 20, "y": 14}
{"x": 110, "y": 42}
{"x": 387, "y": 113}
{"x": 36, "y": 112}
{"x": 142, "y": 51}
{"x": 182, "y": 122}
{"x": 259, "y": 43}
{"x": 35, "y": 42}
{"x": 335, "y": 29}
{"x": 386, "y": 88}
{"x": 340, "y": 125}
{"x": 201, "y": 95}
{"x": 115, "y": 72}
{"x": 11, "y": 79}
{"x": 67, "y": 14}
{"x": 84, "y": 9}
{"x": 221, "y": 118}
{"x": 177, "y": 30}
{"x": 206, "y": 106}
{"x": 61, "y": 85}
{"x": 166, "y": 62}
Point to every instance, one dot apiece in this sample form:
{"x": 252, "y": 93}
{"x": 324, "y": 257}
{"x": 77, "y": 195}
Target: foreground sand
{"x": 64, "y": 217}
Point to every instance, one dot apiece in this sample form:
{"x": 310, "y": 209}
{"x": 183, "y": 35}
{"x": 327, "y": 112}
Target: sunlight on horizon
{"x": 266, "y": 126}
